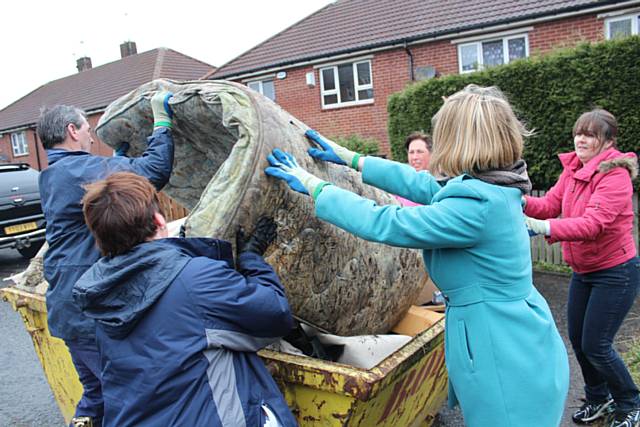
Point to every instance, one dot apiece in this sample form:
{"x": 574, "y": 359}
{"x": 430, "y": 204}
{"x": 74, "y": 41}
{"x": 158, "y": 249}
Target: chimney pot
{"x": 128, "y": 49}
{"x": 83, "y": 64}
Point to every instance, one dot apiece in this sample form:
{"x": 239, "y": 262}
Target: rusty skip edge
{"x": 19, "y": 299}
{"x": 359, "y": 383}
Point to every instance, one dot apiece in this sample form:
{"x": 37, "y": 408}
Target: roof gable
{"x": 97, "y": 87}
{"x": 350, "y": 25}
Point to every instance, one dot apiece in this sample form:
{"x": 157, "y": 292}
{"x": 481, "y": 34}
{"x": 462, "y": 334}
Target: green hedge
{"x": 359, "y": 144}
{"x": 548, "y": 94}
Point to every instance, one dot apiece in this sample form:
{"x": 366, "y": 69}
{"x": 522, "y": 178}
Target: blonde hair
{"x": 475, "y": 130}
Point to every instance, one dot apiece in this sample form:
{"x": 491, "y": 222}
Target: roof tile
{"x": 348, "y": 25}
{"x": 97, "y": 87}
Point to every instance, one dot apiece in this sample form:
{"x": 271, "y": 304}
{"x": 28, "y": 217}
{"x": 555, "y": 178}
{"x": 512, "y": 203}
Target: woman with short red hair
{"x": 177, "y": 326}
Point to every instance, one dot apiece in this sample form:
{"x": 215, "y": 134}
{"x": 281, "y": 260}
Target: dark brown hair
{"x": 119, "y": 212}
{"x": 418, "y": 135}
{"x": 598, "y": 123}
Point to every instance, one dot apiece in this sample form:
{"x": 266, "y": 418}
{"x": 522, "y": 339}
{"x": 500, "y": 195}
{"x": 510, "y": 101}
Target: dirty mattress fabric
{"x": 223, "y": 132}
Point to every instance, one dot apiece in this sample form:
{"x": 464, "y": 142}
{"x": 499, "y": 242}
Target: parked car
{"x": 22, "y": 223}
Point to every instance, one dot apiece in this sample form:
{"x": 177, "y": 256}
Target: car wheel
{"x": 30, "y": 251}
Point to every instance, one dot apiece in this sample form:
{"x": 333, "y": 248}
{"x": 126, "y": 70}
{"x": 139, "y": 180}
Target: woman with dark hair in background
{"x": 418, "y": 146}
{"x": 593, "y": 196}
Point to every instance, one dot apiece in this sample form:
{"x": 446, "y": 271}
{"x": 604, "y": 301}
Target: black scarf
{"x": 513, "y": 176}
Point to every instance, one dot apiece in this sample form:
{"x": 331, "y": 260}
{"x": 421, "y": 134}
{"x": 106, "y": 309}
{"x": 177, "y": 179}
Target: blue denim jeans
{"x": 598, "y": 303}
{"x": 86, "y": 360}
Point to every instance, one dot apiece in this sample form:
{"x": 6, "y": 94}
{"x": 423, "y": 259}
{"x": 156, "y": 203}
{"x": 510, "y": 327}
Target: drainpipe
{"x": 35, "y": 138}
{"x": 406, "y": 49}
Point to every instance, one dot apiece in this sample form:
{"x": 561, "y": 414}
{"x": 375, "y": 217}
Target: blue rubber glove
{"x": 330, "y": 151}
{"x": 284, "y": 166}
{"x": 122, "y": 149}
{"x": 162, "y": 112}
{"x": 537, "y": 226}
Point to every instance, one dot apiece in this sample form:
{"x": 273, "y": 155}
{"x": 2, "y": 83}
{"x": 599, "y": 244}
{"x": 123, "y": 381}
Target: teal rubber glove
{"x": 329, "y": 151}
{"x": 162, "y": 112}
{"x": 537, "y": 226}
{"x": 284, "y": 166}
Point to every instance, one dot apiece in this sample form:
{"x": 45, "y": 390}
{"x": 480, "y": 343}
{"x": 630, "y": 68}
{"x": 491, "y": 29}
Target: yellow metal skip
{"x": 406, "y": 389}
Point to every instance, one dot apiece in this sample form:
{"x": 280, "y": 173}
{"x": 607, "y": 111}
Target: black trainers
{"x": 592, "y": 411}
{"x": 626, "y": 419}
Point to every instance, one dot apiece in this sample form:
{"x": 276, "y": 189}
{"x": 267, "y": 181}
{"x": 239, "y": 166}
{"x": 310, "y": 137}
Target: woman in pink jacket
{"x": 593, "y": 196}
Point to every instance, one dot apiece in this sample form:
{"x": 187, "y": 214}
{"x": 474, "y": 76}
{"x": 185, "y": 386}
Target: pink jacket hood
{"x": 603, "y": 163}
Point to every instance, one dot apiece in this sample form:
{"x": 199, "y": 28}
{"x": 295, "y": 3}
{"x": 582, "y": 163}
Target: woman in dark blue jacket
{"x": 177, "y": 326}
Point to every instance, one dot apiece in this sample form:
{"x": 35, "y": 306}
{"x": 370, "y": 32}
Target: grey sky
{"x": 41, "y": 40}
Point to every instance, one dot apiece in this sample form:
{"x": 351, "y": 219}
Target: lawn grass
{"x": 632, "y": 359}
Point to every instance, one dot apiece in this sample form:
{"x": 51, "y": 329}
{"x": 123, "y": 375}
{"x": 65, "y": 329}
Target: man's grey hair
{"x": 53, "y": 122}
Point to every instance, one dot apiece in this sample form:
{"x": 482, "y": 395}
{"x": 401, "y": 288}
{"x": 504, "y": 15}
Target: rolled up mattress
{"x": 223, "y": 132}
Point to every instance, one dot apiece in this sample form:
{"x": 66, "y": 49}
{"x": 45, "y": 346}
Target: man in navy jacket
{"x": 66, "y": 135}
{"x": 177, "y": 326}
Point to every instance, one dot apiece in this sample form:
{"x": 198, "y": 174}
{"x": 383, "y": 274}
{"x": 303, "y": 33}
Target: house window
{"x": 265, "y": 87}
{"x": 346, "y": 84}
{"x": 488, "y": 53}
{"x": 622, "y": 26}
{"x": 19, "y": 144}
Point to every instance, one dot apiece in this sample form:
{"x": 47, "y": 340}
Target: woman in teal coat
{"x": 507, "y": 363}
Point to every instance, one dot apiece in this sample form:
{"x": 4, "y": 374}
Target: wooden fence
{"x": 172, "y": 209}
{"x": 552, "y": 254}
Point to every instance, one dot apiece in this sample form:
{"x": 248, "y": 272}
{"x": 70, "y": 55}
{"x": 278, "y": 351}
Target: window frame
{"x": 635, "y": 24}
{"x": 356, "y": 86}
{"x": 261, "y": 86}
{"x": 505, "y": 50}
{"x": 19, "y": 139}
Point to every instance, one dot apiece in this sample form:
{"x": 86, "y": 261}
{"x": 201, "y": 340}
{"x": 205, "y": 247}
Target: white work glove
{"x": 537, "y": 226}
{"x": 162, "y": 112}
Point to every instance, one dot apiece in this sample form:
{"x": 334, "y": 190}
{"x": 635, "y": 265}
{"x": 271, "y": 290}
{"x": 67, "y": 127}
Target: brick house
{"x": 336, "y": 68}
{"x": 91, "y": 89}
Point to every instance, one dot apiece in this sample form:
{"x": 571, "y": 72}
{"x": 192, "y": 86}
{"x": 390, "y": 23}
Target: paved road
{"x": 26, "y": 400}
{"x": 25, "y": 396}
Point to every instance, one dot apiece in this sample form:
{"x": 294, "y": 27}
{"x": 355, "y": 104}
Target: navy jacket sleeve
{"x": 242, "y": 311}
{"x": 156, "y": 163}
